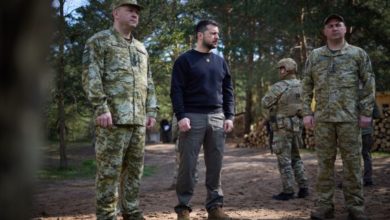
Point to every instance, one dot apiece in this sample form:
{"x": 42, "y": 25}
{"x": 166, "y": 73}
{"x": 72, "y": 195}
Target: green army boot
{"x": 183, "y": 215}
{"x": 322, "y": 213}
{"x": 217, "y": 213}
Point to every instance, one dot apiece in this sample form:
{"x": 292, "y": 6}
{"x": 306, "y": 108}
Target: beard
{"x": 208, "y": 45}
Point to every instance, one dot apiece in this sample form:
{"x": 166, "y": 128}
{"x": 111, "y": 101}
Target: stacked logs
{"x": 308, "y": 138}
{"x": 257, "y": 137}
{"x": 382, "y": 132}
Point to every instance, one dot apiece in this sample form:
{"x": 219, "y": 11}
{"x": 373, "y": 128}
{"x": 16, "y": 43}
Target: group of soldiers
{"x": 118, "y": 83}
{"x": 339, "y": 77}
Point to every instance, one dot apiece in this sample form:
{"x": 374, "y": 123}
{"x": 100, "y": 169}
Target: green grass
{"x": 380, "y": 154}
{"x": 86, "y": 170}
{"x": 150, "y": 170}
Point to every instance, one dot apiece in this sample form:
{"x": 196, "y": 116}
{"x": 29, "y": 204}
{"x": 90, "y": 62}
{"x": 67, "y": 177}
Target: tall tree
{"x": 60, "y": 84}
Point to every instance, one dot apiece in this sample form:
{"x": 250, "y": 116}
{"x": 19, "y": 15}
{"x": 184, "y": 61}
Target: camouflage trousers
{"x": 119, "y": 163}
{"x": 286, "y": 146}
{"x": 345, "y": 136}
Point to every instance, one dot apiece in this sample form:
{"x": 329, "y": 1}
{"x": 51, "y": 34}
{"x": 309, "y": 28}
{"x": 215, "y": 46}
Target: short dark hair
{"x": 202, "y": 25}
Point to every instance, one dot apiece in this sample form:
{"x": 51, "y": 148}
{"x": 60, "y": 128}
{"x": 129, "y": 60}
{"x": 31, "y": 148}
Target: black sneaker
{"x": 283, "y": 196}
{"x": 303, "y": 193}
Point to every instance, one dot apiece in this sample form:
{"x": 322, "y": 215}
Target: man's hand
{"x": 104, "y": 120}
{"x": 308, "y": 121}
{"x": 228, "y": 126}
{"x": 184, "y": 124}
{"x": 364, "y": 121}
{"x": 150, "y": 122}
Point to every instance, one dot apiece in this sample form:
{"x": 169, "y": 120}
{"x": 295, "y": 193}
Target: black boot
{"x": 283, "y": 196}
{"x": 303, "y": 193}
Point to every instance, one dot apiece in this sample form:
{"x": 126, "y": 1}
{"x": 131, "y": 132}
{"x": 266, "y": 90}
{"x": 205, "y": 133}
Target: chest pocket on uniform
{"x": 117, "y": 58}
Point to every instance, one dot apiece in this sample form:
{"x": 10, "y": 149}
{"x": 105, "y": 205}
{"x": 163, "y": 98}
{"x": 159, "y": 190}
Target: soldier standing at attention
{"x": 118, "y": 83}
{"x": 202, "y": 99}
{"x": 283, "y": 106}
{"x": 340, "y": 77}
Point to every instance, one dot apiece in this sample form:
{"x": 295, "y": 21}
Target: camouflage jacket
{"x": 342, "y": 83}
{"x": 284, "y": 98}
{"x": 116, "y": 78}
{"x": 282, "y": 105}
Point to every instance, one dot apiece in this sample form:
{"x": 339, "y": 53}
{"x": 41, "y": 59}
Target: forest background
{"x": 255, "y": 34}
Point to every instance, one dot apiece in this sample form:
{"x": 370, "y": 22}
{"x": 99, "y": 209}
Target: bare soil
{"x": 250, "y": 178}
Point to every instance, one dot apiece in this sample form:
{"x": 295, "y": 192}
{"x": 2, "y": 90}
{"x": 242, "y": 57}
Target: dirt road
{"x": 250, "y": 178}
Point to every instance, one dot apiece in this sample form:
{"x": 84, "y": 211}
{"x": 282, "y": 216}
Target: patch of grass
{"x": 86, "y": 170}
{"x": 380, "y": 154}
{"x": 307, "y": 150}
{"x": 149, "y": 170}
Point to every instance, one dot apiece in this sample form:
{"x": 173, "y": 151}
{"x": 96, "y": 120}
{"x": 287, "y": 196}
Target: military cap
{"x": 288, "y": 63}
{"x": 333, "y": 16}
{"x": 117, "y": 3}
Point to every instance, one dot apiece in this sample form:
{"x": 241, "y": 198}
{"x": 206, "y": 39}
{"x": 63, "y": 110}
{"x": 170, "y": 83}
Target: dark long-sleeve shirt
{"x": 201, "y": 83}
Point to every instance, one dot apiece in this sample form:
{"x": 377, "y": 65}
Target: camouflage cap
{"x": 288, "y": 63}
{"x": 333, "y": 16}
{"x": 117, "y": 3}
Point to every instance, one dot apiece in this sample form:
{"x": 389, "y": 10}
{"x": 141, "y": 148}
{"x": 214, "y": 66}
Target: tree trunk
{"x": 26, "y": 31}
{"x": 60, "y": 87}
{"x": 249, "y": 92}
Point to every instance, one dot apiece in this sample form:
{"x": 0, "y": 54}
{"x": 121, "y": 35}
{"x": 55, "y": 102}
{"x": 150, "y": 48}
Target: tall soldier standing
{"x": 118, "y": 82}
{"x": 344, "y": 87}
{"x": 284, "y": 105}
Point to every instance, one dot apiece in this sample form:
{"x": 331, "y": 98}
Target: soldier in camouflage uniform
{"x": 283, "y": 106}
{"x": 340, "y": 78}
{"x": 118, "y": 83}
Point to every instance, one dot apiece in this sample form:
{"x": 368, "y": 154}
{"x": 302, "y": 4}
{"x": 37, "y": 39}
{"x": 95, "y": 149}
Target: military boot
{"x": 303, "y": 193}
{"x": 217, "y": 213}
{"x": 322, "y": 213}
{"x": 283, "y": 196}
{"x": 183, "y": 215}
{"x": 133, "y": 216}
{"x": 357, "y": 216}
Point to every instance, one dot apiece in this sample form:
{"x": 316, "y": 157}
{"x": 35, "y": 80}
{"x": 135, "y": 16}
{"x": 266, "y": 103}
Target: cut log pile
{"x": 308, "y": 138}
{"x": 258, "y": 136}
{"x": 382, "y": 132}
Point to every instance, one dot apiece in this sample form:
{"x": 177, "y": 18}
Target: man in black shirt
{"x": 202, "y": 99}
